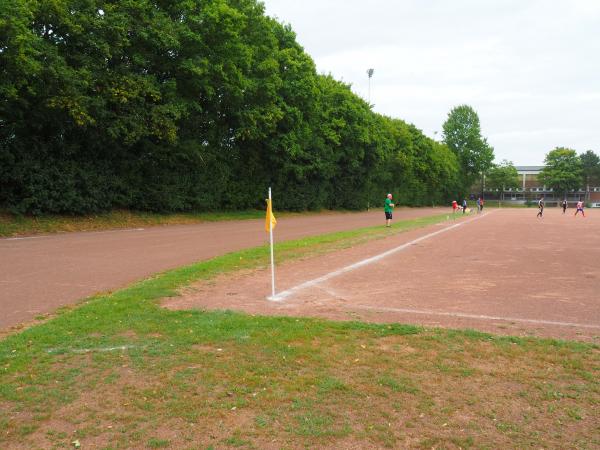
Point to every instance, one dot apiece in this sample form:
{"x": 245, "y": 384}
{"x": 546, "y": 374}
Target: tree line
{"x": 175, "y": 105}
{"x": 565, "y": 170}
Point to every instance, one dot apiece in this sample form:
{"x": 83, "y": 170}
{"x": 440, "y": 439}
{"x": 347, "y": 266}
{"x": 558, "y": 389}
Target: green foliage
{"x": 503, "y": 176}
{"x": 189, "y": 105}
{"x": 590, "y": 162}
{"x": 562, "y": 171}
{"x": 462, "y": 134}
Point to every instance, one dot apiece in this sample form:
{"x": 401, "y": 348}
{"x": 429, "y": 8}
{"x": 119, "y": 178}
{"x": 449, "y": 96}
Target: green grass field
{"x": 120, "y": 372}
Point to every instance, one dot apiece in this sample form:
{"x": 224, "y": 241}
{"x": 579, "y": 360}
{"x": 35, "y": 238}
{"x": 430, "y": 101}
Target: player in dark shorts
{"x": 564, "y": 206}
{"x": 541, "y": 207}
{"x": 388, "y": 208}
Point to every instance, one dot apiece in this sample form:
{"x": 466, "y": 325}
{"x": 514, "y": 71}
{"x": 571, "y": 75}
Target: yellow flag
{"x": 270, "y": 221}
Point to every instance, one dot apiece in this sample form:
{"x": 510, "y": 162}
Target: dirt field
{"x": 505, "y": 272}
{"x": 42, "y": 273}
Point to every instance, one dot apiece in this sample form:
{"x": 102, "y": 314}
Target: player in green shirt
{"x": 388, "y": 208}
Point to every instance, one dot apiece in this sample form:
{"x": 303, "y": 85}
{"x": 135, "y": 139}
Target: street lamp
{"x": 370, "y": 73}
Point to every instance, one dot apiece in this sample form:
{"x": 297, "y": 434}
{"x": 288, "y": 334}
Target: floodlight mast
{"x": 370, "y": 73}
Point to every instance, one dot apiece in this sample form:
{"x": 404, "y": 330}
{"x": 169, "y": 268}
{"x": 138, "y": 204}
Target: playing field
{"x": 504, "y": 271}
{"x": 120, "y": 372}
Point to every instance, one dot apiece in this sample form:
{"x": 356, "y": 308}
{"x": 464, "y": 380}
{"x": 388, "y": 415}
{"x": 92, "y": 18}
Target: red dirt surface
{"x": 506, "y": 272}
{"x": 40, "y": 274}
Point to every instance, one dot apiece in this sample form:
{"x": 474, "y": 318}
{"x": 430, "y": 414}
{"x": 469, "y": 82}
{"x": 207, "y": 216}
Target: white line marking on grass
{"x": 472, "y": 316}
{"x": 287, "y": 293}
{"x": 90, "y": 350}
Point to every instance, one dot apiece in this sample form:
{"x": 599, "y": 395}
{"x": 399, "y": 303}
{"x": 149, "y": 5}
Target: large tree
{"x": 503, "y": 176}
{"x": 562, "y": 170}
{"x": 462, "y": 134}
{"x": 591, "y": 170}
{"x": 591, "y": 167}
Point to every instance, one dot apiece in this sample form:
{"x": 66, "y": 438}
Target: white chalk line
{"x": 472, "y": 316}
{"x": 93, "y": 350}
{"x": 287, "y": 293}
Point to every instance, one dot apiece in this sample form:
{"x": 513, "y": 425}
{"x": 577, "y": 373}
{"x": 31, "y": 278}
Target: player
{"x": 388, "y": 208}
{"x": 580, "y": 208}
{"x": 541, "y": 207}
{"x": 564, "y": 205}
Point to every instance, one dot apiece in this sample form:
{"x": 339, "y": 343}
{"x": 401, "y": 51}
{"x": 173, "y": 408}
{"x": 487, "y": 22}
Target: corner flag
{"x": 270, "y": 221}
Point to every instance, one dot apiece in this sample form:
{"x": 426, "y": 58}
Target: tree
{"x": 503, "y": 176}
{"x": 591, "y": 169}
{"x": 189, "y": 105}
{"x": 462, "y": 134}
{"x": 563, "y": 170}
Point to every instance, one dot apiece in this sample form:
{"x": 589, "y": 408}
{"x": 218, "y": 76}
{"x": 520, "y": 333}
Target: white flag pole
{"x": 271, "y": 239}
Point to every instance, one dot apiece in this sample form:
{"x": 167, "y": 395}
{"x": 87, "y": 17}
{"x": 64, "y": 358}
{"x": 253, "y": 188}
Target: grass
{"x": 158, "y": 443}
{"x": 120, "y": 372}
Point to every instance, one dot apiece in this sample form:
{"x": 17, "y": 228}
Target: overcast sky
{"x": 530, "y": 68}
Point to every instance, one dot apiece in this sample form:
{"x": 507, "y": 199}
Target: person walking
{"x": 580, "y": 208}
{"x": 464, "y": 205}
{"x": 481, "y": 204}
{"x": 388, "y": 208}
{"x": 540, "y": 207}
{"x": 478, "y": 205}
{"x": 564, "y": 205}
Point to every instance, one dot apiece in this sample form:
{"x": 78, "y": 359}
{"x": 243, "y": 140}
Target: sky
{"x": 530, "y": 68}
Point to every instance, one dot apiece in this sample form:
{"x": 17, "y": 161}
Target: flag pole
{"x": 271, "y": 240}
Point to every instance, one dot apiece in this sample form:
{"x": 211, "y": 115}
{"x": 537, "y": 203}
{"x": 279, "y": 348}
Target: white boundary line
{"x": 471, "y": 316}
{"x": 283, "y": 295}
{"x": 91, "y": 350}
